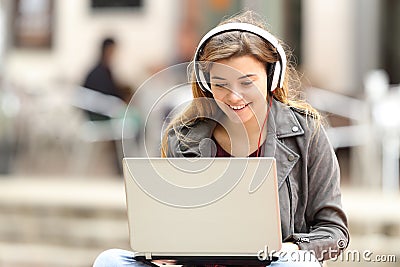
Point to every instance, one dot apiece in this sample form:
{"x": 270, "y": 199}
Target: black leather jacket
{"x": 308, "y": 176}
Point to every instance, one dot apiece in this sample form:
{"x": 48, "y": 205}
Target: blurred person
{"x": 100, "y": 79}
{"x": 249, "y": 84}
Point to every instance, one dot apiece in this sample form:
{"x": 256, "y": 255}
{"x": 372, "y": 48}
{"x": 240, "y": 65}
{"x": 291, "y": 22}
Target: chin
{"x": 239, "y": 119}
{"x": 235, "y": 118}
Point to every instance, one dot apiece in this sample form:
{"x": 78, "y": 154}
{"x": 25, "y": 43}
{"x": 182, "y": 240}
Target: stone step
{"x": 372, "y": 212}
{"x": 39, "y": 255}
{"x": 63, "y": 230}
{"x": 78, "y": 193}
{"x": 60, "y": 222}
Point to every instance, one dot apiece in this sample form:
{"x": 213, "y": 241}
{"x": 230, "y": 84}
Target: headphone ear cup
{"x": 203, "y": 79}
{"x": 275, "y": 76}
{"x": 270, "y": 75}
{"x": 207, "y": 81}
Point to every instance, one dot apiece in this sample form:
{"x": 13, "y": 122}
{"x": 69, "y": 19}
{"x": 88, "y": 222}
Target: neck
{"x": 249, "y": 130}
{"x": 252, "y": 128}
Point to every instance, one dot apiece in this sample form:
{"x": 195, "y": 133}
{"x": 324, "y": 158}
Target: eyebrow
{"x": 242, "y": 77}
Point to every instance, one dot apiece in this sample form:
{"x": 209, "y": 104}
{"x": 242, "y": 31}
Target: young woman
{"x": 244, "y": 106}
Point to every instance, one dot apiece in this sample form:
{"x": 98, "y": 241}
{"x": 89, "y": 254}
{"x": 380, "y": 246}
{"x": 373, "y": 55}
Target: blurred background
{"x": 61, "y": 189}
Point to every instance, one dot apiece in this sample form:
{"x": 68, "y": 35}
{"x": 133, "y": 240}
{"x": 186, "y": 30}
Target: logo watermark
{"x": 354, "y": 255}
{"x": 349, "y": 255}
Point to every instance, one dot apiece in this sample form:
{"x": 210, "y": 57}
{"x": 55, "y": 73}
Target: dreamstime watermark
{"x": 353, "y": 255}
{"x": 349, "y": 255}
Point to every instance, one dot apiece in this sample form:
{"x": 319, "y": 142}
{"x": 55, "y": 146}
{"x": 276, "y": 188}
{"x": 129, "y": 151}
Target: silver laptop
{"x": 203, "y": 210}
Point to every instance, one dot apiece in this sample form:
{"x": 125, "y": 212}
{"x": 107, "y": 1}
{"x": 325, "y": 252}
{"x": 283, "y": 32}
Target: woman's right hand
{"x": 164, "y": 262}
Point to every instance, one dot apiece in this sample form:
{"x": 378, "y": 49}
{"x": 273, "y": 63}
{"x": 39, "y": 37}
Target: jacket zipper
{"x": 312, "y": 237}
{"x": 290, "y": 200}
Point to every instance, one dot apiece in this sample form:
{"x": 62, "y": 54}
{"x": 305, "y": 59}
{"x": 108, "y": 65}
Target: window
{"x": 32, "y": 23}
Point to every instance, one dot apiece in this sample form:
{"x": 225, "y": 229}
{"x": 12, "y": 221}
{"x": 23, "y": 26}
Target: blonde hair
{"x": 236, "y": 44}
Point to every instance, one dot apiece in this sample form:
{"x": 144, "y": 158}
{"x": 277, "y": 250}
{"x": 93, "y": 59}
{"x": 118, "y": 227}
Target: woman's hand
{"x": 164, "y": 262}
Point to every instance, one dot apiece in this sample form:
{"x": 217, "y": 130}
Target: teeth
{"x": 237, "y": 107}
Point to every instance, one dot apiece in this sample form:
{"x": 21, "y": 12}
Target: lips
{"x": 238, "y": 107}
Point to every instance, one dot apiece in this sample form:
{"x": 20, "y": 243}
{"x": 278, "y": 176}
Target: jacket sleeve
{"x": 191, "y": 141}
{"x": 328, "y": 234}
{"x": 178, "y": 147}
{"x": 175, "y": 149}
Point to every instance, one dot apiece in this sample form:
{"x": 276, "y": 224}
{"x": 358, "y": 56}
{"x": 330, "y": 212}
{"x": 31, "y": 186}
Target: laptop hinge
{"x": 147, "y": 255}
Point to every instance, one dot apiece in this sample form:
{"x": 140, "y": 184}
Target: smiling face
{"x": 239, "y": 86}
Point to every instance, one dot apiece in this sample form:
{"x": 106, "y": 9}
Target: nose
{"x": 234, "y": 96}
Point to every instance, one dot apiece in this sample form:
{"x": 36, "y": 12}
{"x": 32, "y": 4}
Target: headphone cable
{"x": 262, "y": 128}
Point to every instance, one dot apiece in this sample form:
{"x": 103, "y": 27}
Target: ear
{"x": 207, "y": 79}
{"x": 204, "y": 80}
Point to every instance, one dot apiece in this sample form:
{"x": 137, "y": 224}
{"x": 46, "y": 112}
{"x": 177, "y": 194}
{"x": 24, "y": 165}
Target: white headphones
{"x": 278, "y": 69}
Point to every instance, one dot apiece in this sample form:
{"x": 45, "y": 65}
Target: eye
{"x": 221, "y": 85}
{"x": 247, "y": 83}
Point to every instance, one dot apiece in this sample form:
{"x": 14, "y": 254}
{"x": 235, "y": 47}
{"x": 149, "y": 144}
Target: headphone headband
{"x": 280, "y": 68}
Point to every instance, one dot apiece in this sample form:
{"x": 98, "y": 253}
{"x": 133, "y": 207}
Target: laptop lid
{"x": 202, "y": 206}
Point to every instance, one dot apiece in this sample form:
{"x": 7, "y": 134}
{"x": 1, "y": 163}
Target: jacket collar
{"x": 282, "y": 123}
